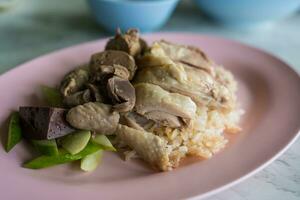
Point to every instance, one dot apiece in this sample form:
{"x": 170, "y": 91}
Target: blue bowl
{"x": 146, "y": 15}
{"x": 247, "y": 12}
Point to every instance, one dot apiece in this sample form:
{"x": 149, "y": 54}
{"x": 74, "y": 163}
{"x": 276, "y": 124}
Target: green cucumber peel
{"x": 90, "y": 162}
{"x": 46, "y": 147}
{"x": 14, "y": 131}
{"x": 52, "y": 96}
{"x": 75, "y": 141}
{"x": 62, "y": 157}
{"x": 103, "y": 141}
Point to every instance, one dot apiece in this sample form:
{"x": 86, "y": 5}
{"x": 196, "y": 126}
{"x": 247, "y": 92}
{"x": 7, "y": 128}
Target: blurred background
{"x": 34, "y": 27}
{"x": 30, "y": 28}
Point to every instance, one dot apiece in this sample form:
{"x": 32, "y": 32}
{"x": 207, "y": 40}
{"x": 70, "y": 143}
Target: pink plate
{"x": 269, "y": 91}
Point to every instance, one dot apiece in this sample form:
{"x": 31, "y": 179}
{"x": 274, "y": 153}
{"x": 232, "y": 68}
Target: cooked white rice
{"x": 203, "y": 139}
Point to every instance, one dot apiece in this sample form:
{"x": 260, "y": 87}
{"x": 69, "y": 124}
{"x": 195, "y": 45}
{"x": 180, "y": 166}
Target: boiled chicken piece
{"x": 221, "y": 87}
{"x": 187, "y": 55}
{"x": 193, "y": 82}
{"x": 200, "y": 81}
{"x": 168, "y": 109}
{"x": 94, "y": 116}
{"x": 137, "y": 121}
{"x": 148, "y": 146}
{"x": 165, "y": 77}
{"x": 130, "y": 42}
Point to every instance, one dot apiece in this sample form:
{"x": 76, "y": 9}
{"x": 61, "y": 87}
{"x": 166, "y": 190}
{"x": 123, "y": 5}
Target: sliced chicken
{"x": 195, "y": 83}
{"x": 166, "y": 119}
{"x": 187, "y": 55}
{"x": 94, "y": 116}
{"x": 166, "y": 108}
{"x": 165, "y": 77}
{"x": 137, "y": 121}
{"x": 148, "y": 146}
{"x": 221, "y": 87}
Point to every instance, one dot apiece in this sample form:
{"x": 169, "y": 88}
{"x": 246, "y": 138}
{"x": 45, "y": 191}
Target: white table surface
{"x": 35, "y": 27}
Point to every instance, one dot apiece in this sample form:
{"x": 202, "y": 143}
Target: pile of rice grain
{"x": 203, "y": 139}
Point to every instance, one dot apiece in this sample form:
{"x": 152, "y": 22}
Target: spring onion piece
{"x": 14, "y": 131}
{"x": 61, "y": 158}
{"x": 90, "y": 162}
{"x": 46, "y": 147}
{"x": 52, "y": 96}
{"x": 75, "y": 141}
{"x": 103, "y": 141}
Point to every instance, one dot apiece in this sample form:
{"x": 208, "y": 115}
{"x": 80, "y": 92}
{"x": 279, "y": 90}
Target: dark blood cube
{"x": 42, "y": 123}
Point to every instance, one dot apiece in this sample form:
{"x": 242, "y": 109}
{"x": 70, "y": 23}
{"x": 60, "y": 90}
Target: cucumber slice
{"x": 76, "y": 141}
{"x": 14, "y": 131}
{"x": 61, "y": 158}
{"x": 52, "y": 96}
{"x": 46, "y": 147}
{"x": 90, "y": 162}
{"x": 103, "y": 141}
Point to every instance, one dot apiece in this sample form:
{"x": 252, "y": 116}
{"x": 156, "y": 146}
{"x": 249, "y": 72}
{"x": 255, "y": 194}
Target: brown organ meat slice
{"x": 111, "y": 58}
{"x": 103, "y": 72}
{"x": 95, "y": 92}
{"x": 74, "y": 81}
{"x": 130, "y": 42}
{"x": 121, "y": 93}
{"x": 78, "y": 98}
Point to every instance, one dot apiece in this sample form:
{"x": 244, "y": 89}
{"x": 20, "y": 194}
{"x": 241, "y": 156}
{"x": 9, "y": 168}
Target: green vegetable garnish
{"x": 76, "y": 141}
{"x": 14, "y": 131}
{"x": 103, "y": 141}
{"x": 52, "y": 96}
{"x": 61, "y": 158}
{"x": 46, "y": 147}
{"x": 90, "y": 162}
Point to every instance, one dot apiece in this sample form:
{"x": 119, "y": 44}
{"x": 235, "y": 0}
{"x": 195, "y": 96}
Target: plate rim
{"x": 196, "y": 35}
